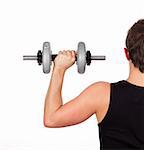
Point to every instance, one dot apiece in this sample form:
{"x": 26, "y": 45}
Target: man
{"x": 119, "y": 106}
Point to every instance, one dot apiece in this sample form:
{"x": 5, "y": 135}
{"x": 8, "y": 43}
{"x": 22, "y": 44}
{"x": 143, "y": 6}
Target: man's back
{"x": 123, "y": 125}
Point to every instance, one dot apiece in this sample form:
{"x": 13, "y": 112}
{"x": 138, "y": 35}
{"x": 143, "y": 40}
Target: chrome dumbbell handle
{"x": 30, "y": 57}
{"x": 34, "y": 57}
{"x": 97, "y": 57}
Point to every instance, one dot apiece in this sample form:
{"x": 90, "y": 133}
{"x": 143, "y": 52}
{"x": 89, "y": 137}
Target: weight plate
{"x": 46, "y": 57}
{"x": 81, "y": 57}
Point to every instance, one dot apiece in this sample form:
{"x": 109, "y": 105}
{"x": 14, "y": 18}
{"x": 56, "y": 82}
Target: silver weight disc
{"x": 46, "y": 57}
{"x": 81, "y": 57}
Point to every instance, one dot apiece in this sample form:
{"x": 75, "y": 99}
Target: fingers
{"x": 71, "y": 53}
{"x": 60, "y": 52}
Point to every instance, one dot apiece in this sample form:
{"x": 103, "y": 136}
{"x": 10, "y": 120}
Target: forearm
{"x": 53, "y": 99}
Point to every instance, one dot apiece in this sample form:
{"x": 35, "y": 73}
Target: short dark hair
{"x": 135, "y": 44}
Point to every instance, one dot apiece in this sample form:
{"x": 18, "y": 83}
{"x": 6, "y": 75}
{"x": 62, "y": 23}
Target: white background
{"x": 24, "y": 26}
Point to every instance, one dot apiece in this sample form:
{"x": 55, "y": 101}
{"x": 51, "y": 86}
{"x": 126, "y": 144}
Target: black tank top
{"x": 123, "y": 125}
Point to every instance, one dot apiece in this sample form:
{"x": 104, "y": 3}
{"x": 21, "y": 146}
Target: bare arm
{"x": 53, "y": 100}
{"x": 76, "y": 110}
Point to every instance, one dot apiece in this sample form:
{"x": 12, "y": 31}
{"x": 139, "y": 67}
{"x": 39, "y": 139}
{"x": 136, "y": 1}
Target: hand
{"x": 65, "y": 59}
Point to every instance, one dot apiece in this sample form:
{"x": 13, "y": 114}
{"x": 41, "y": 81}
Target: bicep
{"x": 80, "y": 108}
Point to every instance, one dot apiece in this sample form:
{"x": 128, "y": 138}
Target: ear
{"x": 126, "y": 53}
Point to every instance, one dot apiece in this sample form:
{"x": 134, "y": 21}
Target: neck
{"x": 135, "y": 76}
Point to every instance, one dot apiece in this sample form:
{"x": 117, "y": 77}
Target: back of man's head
{"x": 135, "y": 44}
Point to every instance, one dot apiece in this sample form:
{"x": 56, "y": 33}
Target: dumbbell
{"x": 45, "y": 57}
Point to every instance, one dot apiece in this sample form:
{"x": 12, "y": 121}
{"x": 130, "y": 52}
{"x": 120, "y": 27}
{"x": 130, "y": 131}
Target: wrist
{"x": 58, "y": 70}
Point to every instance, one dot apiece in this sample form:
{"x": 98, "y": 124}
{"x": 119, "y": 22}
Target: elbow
{"x": 49, "y": 123}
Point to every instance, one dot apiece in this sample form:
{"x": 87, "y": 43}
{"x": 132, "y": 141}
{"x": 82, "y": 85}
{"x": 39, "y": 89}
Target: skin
{"x": 92, "y": 100}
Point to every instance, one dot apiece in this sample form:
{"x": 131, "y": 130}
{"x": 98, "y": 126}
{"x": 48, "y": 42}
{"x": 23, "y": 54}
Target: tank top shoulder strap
{"x": 109, "y": 107}
{"x": 115, "y": 88}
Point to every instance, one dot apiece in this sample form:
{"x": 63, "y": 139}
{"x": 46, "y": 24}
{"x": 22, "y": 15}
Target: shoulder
{"x": 100, "y": 85}
{"x": 100, "y": 92}
{"x": 103, "y": 88}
